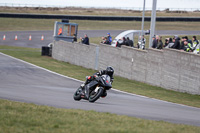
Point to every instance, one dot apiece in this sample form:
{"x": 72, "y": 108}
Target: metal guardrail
{"x": 102, "y": 18}
{"x": 123, "y": 8}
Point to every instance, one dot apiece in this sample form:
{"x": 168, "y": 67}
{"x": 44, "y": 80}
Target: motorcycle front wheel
{"x": 77, "y": 94}
{"x": 95, "y": 94}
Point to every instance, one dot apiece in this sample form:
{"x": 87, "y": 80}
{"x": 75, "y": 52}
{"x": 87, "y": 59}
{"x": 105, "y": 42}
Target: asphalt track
{"x": 23, "y": 36}
{"x": 20, "y": 81}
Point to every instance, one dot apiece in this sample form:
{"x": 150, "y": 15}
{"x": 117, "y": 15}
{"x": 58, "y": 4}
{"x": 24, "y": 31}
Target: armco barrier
{"x": 102, "y": 18}
{"x": 170, "y": 69}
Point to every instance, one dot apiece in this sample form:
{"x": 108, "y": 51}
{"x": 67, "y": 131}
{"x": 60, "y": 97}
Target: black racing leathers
{"x": 90, "y": 78}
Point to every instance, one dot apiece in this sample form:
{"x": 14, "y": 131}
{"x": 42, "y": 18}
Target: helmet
{"x": 110, "y": 71}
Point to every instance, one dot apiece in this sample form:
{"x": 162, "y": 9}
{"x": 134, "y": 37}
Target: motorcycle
{"x": 97, "y": 88}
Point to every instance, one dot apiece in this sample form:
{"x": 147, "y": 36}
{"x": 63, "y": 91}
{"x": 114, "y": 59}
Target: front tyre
{"x": 95, "y": 94}
{"x": 77, "y": 94}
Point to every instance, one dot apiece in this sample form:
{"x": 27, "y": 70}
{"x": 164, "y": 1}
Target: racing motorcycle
{"x": 97, "y": 88}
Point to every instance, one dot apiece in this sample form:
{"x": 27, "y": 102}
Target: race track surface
{"x": 23, "y": 82}
{"x": 36, "y": 42}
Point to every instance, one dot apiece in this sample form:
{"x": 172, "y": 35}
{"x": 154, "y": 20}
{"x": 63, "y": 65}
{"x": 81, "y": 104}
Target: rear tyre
{"x": 77, "y": 94}
{"x": 95, "y": 95}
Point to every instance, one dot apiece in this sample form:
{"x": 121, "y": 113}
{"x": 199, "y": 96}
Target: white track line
{"x": 83, "y": 81}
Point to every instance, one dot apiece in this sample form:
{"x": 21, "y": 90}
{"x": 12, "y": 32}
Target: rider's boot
{"x": 86, "y": 91}
{"x": 85, "y": 88}
{"x": 104, "y": 94}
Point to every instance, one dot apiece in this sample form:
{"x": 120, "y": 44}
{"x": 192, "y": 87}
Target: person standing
{"x": 155, "y": 42}
{"x": 182, "y": 43}
{"x": 109, "y": 38}
{"x": 189, "y": 41}
{"x": 141, "y": 42}
{"x": 122, "y": 42}
{"x": 187, "y": 46}
{"x": 129, "y": 42}
{"x": 160, "y": 43}
{"x": 176, "y": 43}
{"x": 195, "y": 42}
{"x": 60, "y": 31}
{"x": 75, "y": 38}
{"x": 85, "y": 40}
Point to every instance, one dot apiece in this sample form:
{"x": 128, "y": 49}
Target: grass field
{"x": 16, "y": 24}
{"x": 93, "y": 11}
{"x": 34, "y": 56}
{"x": 18, "y": 117}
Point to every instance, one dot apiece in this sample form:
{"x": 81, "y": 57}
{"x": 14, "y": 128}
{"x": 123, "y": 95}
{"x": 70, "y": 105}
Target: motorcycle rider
{"x": 109, "y": 71}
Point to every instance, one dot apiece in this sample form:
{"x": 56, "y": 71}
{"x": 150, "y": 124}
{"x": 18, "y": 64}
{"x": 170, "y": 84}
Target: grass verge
{"x": 34, "y": 56}
{"x": 16, "y": 117}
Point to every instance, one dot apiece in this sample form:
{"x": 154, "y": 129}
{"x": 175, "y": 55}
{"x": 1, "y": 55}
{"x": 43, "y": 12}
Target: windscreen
{"x": 106, "y": 78}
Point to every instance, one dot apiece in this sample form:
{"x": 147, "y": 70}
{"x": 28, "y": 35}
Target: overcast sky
{"x": 111, "y": 3}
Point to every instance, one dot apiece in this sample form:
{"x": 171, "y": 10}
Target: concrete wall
{"x": 74, "y": 53}
{"x": 170, "y": 69}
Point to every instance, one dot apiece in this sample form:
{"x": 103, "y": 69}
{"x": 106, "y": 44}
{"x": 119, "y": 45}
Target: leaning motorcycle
{"x": 97, "y": 88}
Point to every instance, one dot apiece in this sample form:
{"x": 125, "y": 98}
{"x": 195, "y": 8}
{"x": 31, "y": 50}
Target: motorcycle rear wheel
{"x": 77, "y": 94}
{"x": 95, "y": 95}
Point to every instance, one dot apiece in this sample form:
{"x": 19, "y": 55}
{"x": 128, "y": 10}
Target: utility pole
{"x": 153, "y": 22}
{"x": 143, "y": 14}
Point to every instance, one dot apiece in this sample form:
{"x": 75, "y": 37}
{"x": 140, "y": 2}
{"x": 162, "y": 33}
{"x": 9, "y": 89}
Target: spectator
{"x": 189, "y": 41}
{"x": 141, "y": 42}
{"x": 85, "y": 40}
{"x": 103, "y": 39}
{"x": 143, "y": 39}
{"x": 160, "y": 43}
{"x": 129, "y": 42}
{"x": 75, "y": 38}
{"x": 187, "y": 46}
{"x": 60, "y": 31}
{"x": 176, "y": 42}
{"x": 195, "y": 42}
{"x": 154, "y": 44}
{"x": 122, "y": 43}
{"x": 166, "y": 42}
{"x": 182, "y": 43}
{"x": 109, "y": 38}
{"x": 106, "y": 41}
{"x": 171, "y": 43}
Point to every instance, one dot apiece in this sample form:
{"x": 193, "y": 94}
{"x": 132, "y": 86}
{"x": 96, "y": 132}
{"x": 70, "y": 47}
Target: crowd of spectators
{"x": 107, "y": 40}
{"x": 125, "y": 41}
{"x": 183, "y": 44}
